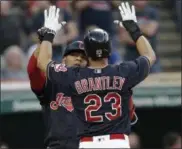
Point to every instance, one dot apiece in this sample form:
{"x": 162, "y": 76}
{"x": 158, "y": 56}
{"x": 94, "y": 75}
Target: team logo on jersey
{"x": 60, "y": 67}
{"x": 63, "y": 101}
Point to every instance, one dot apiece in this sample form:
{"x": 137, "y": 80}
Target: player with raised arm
{"x": 101, "y": 92}
{"x": 59, "y": 119}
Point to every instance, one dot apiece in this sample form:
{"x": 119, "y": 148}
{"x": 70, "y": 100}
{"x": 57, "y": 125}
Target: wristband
{"x": 48, "y": 37}
{"x": 133, "y": 29}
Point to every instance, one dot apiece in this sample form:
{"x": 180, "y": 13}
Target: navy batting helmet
{"x": 97, "y": 44}
{"x": 76, "y": 46}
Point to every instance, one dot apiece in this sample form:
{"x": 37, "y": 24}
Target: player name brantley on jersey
{"x": 99, "y": 83}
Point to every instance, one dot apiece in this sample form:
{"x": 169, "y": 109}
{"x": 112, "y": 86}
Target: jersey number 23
{"x": 116, "y": 107}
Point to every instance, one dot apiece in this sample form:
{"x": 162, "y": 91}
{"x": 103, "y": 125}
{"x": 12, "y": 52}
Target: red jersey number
{"x": 116, "y": 107}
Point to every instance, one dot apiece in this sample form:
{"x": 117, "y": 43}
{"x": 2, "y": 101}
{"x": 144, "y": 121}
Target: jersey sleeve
{"x": 37, "y": 78}
{"x": 56, "y": 72}
{"x": 136, "y": 71}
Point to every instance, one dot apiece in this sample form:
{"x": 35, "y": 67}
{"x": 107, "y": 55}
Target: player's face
{"x": 75, "y": 59}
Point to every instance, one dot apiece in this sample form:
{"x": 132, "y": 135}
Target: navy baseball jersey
{"x": 101, "y": 96}
{"x": 60, "y": 121}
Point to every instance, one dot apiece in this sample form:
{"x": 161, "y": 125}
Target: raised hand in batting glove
{"x": 51, "y": 17}
{"x": 51, "y": 24}
{"x": 126, "y": 13}
{"x": 129, "y": 20}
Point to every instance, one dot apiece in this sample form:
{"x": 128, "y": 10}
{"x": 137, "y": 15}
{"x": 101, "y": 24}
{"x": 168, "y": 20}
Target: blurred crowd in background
{"x": 21, "y": 20}
{"x": 171, "y": 140}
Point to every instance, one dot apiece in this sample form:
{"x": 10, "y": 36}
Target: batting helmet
{"x": 97, "y": 44}
{"x": 76, "y": 46}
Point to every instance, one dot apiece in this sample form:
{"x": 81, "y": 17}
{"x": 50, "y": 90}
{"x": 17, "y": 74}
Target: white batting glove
{"x": 51, "y": 17}
{"x": 127, "y": 13}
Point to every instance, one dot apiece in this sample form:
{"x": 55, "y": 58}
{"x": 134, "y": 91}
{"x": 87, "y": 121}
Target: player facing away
{"x": 37, "y": 81}
{"x": 59, "y": 119}
{"x": 61, "y": 139}
{"x": 100, "y": 93}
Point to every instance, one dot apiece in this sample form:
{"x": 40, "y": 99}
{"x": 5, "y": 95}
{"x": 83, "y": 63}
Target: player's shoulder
{"x": 75, "y": 70}
{"x": 127, "y": 64}
{"x": 123, "y": 66}
{"x": 127, "y": 67}
{"x": 119, "y": 69}
{"x": 113, "y": 67}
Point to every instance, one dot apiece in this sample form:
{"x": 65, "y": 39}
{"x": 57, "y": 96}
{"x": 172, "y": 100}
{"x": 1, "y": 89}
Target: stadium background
{"x": 157, "y": 99}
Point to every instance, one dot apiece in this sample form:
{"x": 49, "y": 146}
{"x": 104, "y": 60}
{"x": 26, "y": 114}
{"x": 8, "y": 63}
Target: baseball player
{"x": 100, "y": 93}
{"x": 37, "y": 80}
{"x": 61, "y": 124}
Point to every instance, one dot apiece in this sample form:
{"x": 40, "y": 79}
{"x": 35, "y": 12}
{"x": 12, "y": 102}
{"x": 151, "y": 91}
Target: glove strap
{"x": 49, "y": 35}
{"x": 133, "y": 29}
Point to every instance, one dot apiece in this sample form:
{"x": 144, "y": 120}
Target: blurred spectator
{"x": 37, "y": 15}
{"x": 30, "y": 7}
{"x": 172, "y": 140}
{"x": 64, "y": 36}
{"x": 63, "y": 4}
{"x": 22, "y": 5}
{"x": 66, "y": 5}
{"x": 14, "y": 64}
{"x": 175, "y": 11}
{"x": 36, "y": 6}
{"x": 12, "y": 25}
{"x": 148, "y": 22}
{"x": 99, "y": 14}
{"x": 134, "y": 140}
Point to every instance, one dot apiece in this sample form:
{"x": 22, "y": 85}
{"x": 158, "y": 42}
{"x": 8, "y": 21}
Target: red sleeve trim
{"x": 37, "y": 78}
